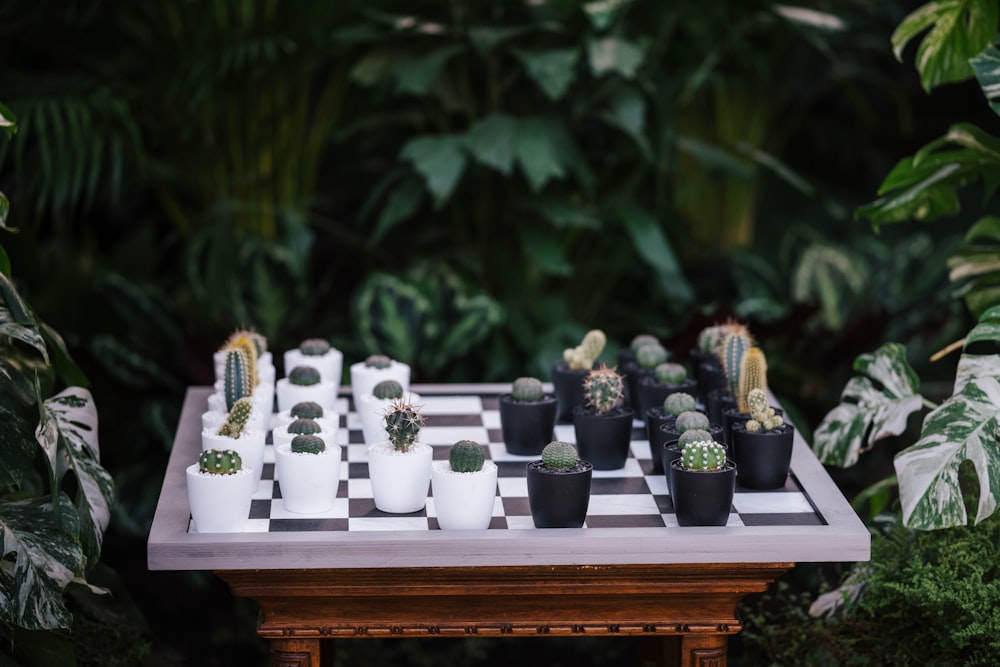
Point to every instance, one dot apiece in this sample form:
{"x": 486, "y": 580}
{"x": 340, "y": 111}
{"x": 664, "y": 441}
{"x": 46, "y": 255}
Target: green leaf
{"x": 986, "y": 329}
{"x": 627, "y": 112}
{"x": 16, "y": 319}
{"x": 4, "y": 212}
{"x": 958, "y": 30}
{"x": 544, "y": 247}
{"x": 602, "y": 13}
{"x": 390, "y": 316}
{"x": 440, "y": 160}
{"x": 538, "y": 151}
{"x": 8, "y": 124}
{"x": 966, "y": 427}
{"x": 652, "y": 245}
{"x": 874, "y": 405}
{"x": 375, "y": 67}
{"x": 986, "y": 65}
{"x": 491, "y": 141}
{"x": 552, "y": 71}
{"x": 614, "y": 55}
{"x": 416, "y": 75}
{"x": 831, "y": 276}
{"x": 402, "y": 203}
{"x": 487, "y": 38}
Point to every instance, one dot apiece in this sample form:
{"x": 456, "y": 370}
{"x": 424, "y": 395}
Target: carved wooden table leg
{"x": 295, "y": 653}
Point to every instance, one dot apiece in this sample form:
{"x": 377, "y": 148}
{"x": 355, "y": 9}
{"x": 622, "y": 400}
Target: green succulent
{"x": 603, "y": 389}
{"x": 378, "y": 361}
{"x": 762, "y": 415}
{"x": 642, "y": 340}
{"x": 693, "y": 435}
{"x": 306, "y": 410}
{"x": 466, "y": 456}
{"x": 220, "y": 462}
{"x": 651, "y": 356}
{"x": 584, "y": 355}
{"x": 670, "y": 373}
{"x": 387, "y": 389}
{"x": 402, "y": 424}
{"x": 703, "y": 456}
{"x": 691, "y": 419}
{"x": 237, "y": 419}
{"x": 304, "y": 376}
{"x": 527, "y": 390}
{"x": 559, "y": 455}
{"x": 308, "y": 444}
{"x": 303, "y": 426}
{"x": 678, "y": 402}
{"x": 314, "y": 347}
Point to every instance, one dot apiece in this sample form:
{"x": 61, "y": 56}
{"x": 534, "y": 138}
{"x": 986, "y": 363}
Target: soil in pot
{"x": 559, "y": 498}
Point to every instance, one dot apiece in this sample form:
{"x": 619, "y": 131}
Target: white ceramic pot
{"x": 463, "y": 500}
{"x": 399, "y": 480}
{"x": 250, "y": 447}
{"x": 329, "y": 365}
{"x": 213, "y": 419}
{"x": 220, "y": 503}
{"x": 372, "y": 411}
{"x": 364, "y": 378}
{"x": 308, "y": 481}
{"x": 323, "y": 392}
{"x": 281, "y": 436}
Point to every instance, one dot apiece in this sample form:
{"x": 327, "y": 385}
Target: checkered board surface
{"x": 630, "y": 497}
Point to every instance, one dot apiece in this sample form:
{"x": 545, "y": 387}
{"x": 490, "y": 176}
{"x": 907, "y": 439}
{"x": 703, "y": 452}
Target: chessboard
{"x": 630, "y": 497}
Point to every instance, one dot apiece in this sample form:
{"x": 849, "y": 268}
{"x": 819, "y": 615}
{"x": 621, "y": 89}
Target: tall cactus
{"x": 236, "y": 381}
{"x": 247, "y": 343}
{"x": 402, "y": 424}
{"x": 238, "y": 417}
{"x": 753, "y": 375}
{"x": 583, "y": 356}
{"x": 734, "y": 346}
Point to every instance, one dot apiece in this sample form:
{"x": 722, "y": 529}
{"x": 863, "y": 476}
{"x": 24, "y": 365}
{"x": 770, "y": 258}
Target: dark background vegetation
{"x": 466, "y": 186}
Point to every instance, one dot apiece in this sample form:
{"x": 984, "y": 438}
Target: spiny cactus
{"x": 651, "y": 356}
{"x": 378, "y": 361}
{"x": 559, "y": 455}
{"x": 762, "y": 415}
{"x": 303, "y": 426}
{"x": 527, "y": 390}
{"x": 710, "y": 338}
{"x": 603, "y": 389}
{"x": 402, "y": 423}
{"x": 670, "y": 373}
{"x": 387, "y": 389}
{"x": 678, "y": 402}
{"x": 466, "y": 456}
{"x": 583, "y": 356}
{"x": 308, "y": 444}
{"x": 237, "y": 420}
{"x": 314, "y": 347}
{"x": 236, "y": 382}
{"x": 642, "y": 340}
{"x": 243, "y": 341}
{"x": 220, "y": 462}
{"x": 734, "y": 347}
{"x": 753, "y": 375}
{"x": 703, "y": 455}
{"x": 691, "y": 419}
{"x": 304, "y": 376}
{"x": 306, "y": 410}
{"x": 693, "y": 435}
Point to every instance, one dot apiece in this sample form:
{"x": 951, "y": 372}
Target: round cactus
{"x": 304, "y": 376}
{"x": 559, "y": 455}
{"x": 651, "y": 356}
{"x": 387, "y": 389}
{"x": 466, "y": 456}
{"x": 378, "y": 361}
{"x": 527, "y": 390}
{"x": 642, "y": 340}
{"x": 306, "y": 410}
{"x": 402, "y": 424}
{"x": 303, "y": 426}
{"x": 670, "y": 373}
{"x": 237, "y": 419}
{"x": 603, "y": 389}
{"x": 693, "y": 435}
{"x": 308, "y": 444}
{"x": 583, "y": 356}
{"x": 703, "y": 455}
{"x": 678, "y": 402}
{"x": 314, "y": 347}
{"x": 691, "y": 419}
{"x": 220, "y": 462}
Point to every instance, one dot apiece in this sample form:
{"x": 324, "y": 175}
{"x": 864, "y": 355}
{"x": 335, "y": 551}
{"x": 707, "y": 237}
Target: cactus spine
{"x": 237, "y": 420}
{"x": 559, "y": 455}
{"x": 678, "y": 402}
{"x": 466, "y": 456}
{"x": 304, "y": 376}
{"x": 308, "y": 444}
{"x": 402, "y": 423}
{"x": 387, "y": 389}
{"x": 753, "y": 375}
{"x": 220, "y": 462}
{"x": 306, "y": 410}
{"x": 526, "y": 390}
{"x": 703, "y": 456}
{"x": 603, "y": 389}
{"x": 236, "y": 383}
{"x": 762, "y": 415}
{"x": 734, "y": 347}
{"x": 583, "y": 356}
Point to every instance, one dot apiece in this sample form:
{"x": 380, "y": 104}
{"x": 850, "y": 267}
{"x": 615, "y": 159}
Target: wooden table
{"x": 678, "y": 587}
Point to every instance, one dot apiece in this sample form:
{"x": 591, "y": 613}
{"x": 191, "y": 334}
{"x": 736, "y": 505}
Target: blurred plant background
{"x": 464, "y": 186}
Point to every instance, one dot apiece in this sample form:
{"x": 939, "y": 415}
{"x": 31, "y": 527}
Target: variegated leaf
{"x": 966, "y": 427}
{"x": 874, "y": 405}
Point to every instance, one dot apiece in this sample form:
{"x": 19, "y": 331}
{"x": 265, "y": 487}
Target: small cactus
{"x": 753, "y": 375}
{"x": 308, "y": 444}
{"x": 303, "y": 426}
{"x": 387, "y": 389}
{"x": 247, "y": 342}
{"x": 670, "y": 373}
{"x": 466, "y": 456}
{"x": 762, "y": 415}
{"x": 527, "y": 390}
{"x": 402, "y": 423}
{"x": 691, "y": 419}
{"x": 703, "y": 456}
{"x": 236, "y": 383}
{"x": 559, "y": 455}
{"x": 651, "y": 356}
{"x": 220, "y": 462}
{"x": 678, "y": 402}
{"x": 603, "y": 388}
{"x": 642, "y": 340}
{"x": 314, "y": 347}
{"x": 734, "y": 347}
{"x": 692, "y": 435}
{"x": 584, "y": 355}
{"x": 378, "y": 361}
{"x": 710, "y": 338}
{"x": 237, "y": 420}
{"x": 306, "y": 410}
{"x": 304, "y": 376}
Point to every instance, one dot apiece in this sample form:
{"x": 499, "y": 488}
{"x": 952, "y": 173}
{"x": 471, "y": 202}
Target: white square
{"x": 565, "y": 433}
{"x": 498, "y": 452}
{"x": 256, "y": 526}
{"x": 657, "y": 484}
{"x": 491, "y": 419}
{"x": 449, "y": 435}
{"x": 388, "y": 523}
{"x": 265, "y": 491}
{"x": 338, "y": 511}
{"x": 497, "y": 507}
{"x": 357, "y": 453}
{"x": 631, "y": 469}
{"x": 513, "y": 487}
{"x": 359, "y": 488}
{"x": 451, "y": 405}
{"x": 776, "y": 502}
{"x": 520, "y": 523}
{"x": 640, "y": 449}
{"x": 621, "y": 504}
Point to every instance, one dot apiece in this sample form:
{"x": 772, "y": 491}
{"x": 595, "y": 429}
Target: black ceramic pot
{"x": 709, "y": 375}
{"x": 699, "y": 356}
{"x": 670, "y": 451}
{"x": 567, "y": 384}
{"x": 731, "y": 415}
{"x": 653, "y": 393}
{"x": 719, "y": 399}
{"x": 559, "y": 499}
{"x": 763, "y": 458}
{"x": 632, "y": 373}
{"x": 656, "y": 419}
{"x": 527, "y": 426}
{"x": 702, "y": 498}
{"x": 603, "y": 439}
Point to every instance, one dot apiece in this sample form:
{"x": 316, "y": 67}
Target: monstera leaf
{"x": 875, "y": 405}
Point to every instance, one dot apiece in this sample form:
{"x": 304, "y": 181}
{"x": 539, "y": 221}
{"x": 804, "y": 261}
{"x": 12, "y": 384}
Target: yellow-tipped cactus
{"x": 753, "y": 375}
{"x": 584, "y": 355}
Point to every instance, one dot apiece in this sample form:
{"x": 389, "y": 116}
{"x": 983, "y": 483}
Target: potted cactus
{"x": 762, "y": 445}
{"x": 702, "y": 483}
{"x": 239, "y": 380}
{"x": 705, "y": 362}
{"x": 661, "y": 416}
{"x": 559, "y": 487}
{"x": 672, "y": 449}
{"x": 568, "y": 375}
{"x": 306, "y": 410}
{"x": 308, "y": 472}
{"x": 318, "y": 353}
{"x": 282, "y": 435}
{"x": 527, "y": 417}
{"x": 375, "y": 368}
{"x": 255, "y": 346}
{"x": 464, "y": 488}
{"x": 237, "y": 434}
{"x": 626, "y": 355}
{"x": 603, "y": 426}
{"x": 647, "y": 358}
{"x": 304, "y": 383}
{"x": 219, "y": 488}
{"x": 667, "y": 378}
{"x": 732, "y": 351}
{"x": 691, "y": 419}
{"x": 400, "y": 468}
{"x": 372, "y": 406}
{"x": 752, "y": 375}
